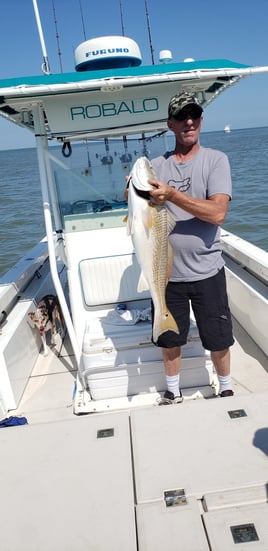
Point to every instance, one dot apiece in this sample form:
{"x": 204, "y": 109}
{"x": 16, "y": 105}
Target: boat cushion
{"x": 111, "y": 279}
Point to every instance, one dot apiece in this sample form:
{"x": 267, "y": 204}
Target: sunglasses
{"x": 183, "y": 116}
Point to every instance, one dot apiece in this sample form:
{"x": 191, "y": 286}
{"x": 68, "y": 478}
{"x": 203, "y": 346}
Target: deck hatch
{"x": 105, "y": 433}
{"x": 244, "y": 533}
{"x": 175, "y": 497}
{"x": 236, "y": 413}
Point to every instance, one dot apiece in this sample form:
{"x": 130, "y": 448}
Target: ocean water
{"x": 21, "y": 213}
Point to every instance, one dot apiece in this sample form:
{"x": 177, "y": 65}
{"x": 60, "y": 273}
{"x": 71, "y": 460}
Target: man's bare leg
{"x": 222, "y": 360}
{"x": 172, "y": 362}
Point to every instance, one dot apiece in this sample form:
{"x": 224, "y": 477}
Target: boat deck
{"x": 141, "y": 478}
{"x": 50, "y": 390}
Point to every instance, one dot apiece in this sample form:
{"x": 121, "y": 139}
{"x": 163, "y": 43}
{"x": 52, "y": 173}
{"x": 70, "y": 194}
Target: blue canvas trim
{"x": 127, "y": 72}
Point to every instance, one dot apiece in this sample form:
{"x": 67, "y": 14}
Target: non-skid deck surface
{"x": 65, "y": 489}
{"x": 217, "y": 463}
{"x": 203, "y": 448}
{"x": 48, "y": 395}
{"x": 49, "y": 392}
{"x": 90, "y": 482}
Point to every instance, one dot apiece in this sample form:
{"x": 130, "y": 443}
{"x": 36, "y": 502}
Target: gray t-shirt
{"x": 195, "y": 244}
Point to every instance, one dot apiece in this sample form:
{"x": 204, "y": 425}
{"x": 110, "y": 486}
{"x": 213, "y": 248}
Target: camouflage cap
{"x": 178, "y": 102}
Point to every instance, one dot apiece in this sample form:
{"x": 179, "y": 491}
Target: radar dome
{"x": 165, "y": 56}
{"x": 107, "y": 52}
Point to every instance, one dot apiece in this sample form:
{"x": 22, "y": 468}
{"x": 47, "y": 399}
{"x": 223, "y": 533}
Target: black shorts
{"x": 208, "y": 298}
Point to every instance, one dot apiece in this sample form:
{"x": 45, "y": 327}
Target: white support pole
{"x": 54, "y": 202}
{"x": 45, "y": 64}
{"x": 41, "y": 143}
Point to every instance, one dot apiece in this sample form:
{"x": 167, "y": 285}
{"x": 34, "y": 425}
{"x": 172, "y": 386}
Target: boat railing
{"x": 250, "y": 257}
{"x": 247, "y": 285}
{"x": 16, "y": 280}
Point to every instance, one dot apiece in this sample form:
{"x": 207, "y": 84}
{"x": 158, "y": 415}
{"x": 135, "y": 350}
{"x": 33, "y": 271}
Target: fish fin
{"x": 147, "y": 217}
{"x": 164, "y": 322}
{"x": 130, "y": 224}
{"x": 142, "y": 283}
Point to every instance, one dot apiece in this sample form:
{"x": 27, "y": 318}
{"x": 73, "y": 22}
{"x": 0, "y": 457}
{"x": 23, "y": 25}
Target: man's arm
{"x": 213, "y": 209}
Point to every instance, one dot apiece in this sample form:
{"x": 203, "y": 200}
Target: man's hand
{"x": 161, "y": 192}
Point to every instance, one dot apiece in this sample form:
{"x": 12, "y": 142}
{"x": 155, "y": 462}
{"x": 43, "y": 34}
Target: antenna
{"x": 45, "y": 65}
{"x": 57, "y": 35}
{"x": 149, "y": 32}
{"x": 122, "y": 21}
{"x": 82, "y": 19}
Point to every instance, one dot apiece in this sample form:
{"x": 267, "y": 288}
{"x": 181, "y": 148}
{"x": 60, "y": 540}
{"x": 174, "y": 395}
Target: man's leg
{"x": 222, "y": 360}
{"x": 178, "y": 304}
{"x": 213, "y": 317}
{"x": 172, "y": 362}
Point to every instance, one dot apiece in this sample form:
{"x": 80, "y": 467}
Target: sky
{"x": 200, "y": 29}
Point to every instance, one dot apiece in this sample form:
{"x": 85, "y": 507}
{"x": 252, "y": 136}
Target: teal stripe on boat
{"x": 126, "y": 72}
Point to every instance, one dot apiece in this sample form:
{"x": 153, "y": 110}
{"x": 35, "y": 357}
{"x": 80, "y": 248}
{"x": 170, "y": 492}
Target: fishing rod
{"x": 149, "y": 31}
{"x": 82, "y": 19}
{"x": 57, "y": 35}
{"x": 121, "y": 16}
{"x": 148, "y": 26}
{"x": 45, "y": 65}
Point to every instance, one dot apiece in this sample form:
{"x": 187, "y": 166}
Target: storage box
{"x": 121, "y": 361}
{"x": 145, "y": 377}
{"x": 117, "y": 345}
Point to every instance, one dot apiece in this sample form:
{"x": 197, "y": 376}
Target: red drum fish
{"x": 149, "y": 227}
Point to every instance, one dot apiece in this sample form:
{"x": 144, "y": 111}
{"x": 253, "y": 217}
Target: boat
{"x": 227, "y": 129}
{"x": 93, "y": 462}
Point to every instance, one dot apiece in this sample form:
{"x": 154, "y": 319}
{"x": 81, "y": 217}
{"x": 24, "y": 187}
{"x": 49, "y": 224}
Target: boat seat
{"x": 111, "y": 280}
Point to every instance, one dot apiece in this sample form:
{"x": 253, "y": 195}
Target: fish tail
{"x": 164, "y": 322}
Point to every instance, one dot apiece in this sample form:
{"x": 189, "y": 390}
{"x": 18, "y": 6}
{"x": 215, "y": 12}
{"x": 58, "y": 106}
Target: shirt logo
{"x": 181, "y": 185}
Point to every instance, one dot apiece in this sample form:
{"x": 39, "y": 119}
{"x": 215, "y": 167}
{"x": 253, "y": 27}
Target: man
{"x": 195, "y": 184}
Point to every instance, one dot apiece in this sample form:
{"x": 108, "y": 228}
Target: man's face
{"x": 186, "y": 131}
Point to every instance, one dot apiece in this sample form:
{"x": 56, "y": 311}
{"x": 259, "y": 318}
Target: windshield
{"x": 93, "y": 180}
